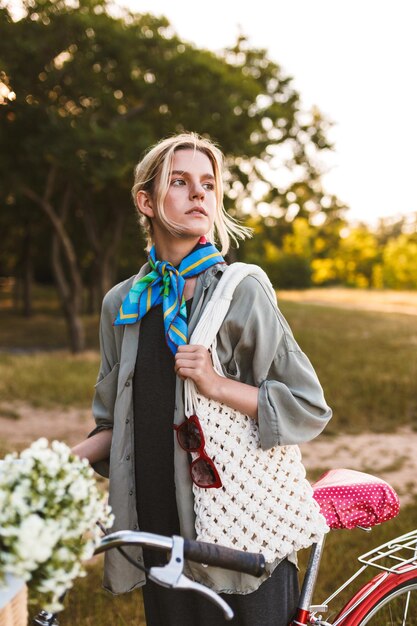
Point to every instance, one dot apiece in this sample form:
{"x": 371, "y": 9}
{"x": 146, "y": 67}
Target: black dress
{"x": 153, "y": 402}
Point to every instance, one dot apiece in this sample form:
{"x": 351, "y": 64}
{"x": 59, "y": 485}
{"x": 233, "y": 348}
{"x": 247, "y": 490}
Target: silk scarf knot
{"x": 165, "y": 284}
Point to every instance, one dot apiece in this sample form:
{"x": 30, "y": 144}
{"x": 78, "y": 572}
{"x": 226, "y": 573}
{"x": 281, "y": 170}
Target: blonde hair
{"x": 156, "y": 165}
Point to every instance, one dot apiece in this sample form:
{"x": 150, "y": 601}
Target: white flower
{"x": 79, "y": 489}
{"x": 49, "y": 503}
{"x": 37, "y": 538}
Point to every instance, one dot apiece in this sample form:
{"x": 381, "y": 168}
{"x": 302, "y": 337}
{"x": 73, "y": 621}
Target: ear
{"x": 144, "y": 203}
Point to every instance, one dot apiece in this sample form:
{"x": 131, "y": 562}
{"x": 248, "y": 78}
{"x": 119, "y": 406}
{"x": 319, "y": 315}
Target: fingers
{"x": 184, "y": 349}
{"x": 194, "y": 362}
{"x": 191, "y": 360}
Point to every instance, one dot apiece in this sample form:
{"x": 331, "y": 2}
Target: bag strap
{"x": 213, "y": 316}
{"x": 214, "y": 313}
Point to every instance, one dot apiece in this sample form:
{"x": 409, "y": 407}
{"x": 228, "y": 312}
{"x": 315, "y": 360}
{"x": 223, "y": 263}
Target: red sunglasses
{"x": 191, "y": 439}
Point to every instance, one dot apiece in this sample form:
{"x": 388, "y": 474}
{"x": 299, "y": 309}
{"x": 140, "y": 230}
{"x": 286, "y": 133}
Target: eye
{"x": 177, "y": 182}
{"x": 209, "y": 186}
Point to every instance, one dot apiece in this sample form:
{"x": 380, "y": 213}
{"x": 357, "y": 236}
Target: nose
{"x": 197, "y": 191}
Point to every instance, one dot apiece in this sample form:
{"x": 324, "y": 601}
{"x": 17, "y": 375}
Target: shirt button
{"x": 127, "y": 420}
{"x": 127, "y": 383}
{"x": 131, "y": 492}
{"x": 135, "y": 527}
{"x": 128, "y": 457}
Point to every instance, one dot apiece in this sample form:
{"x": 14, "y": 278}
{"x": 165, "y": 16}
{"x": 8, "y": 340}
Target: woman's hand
{"x": 194, "y": 361}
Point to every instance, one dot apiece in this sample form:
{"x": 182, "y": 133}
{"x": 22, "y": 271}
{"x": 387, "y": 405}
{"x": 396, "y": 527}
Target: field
{"x": 383, "y": 301}
{"x": 363, "y": 346}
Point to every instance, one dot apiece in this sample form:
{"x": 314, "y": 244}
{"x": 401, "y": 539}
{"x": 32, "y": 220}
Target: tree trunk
{"x": 71, "y": 299}
{"x": 102, "y": 274}
{"x": 67, "y": 276}
{"x": 16, "y": 291}
{"x": 91, "y": 296}
{"x": 27, "y": 272}
{"x": 109, "y": 253}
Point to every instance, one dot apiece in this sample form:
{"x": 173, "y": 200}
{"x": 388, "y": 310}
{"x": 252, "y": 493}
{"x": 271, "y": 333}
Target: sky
{"x": 355, "y": 60}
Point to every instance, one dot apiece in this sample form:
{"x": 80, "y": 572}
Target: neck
{"x": 174, "y": 251}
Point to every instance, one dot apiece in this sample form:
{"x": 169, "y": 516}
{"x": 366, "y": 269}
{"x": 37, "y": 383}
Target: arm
{"x": 256, "y": 346}
{"x": 95, "y": 448}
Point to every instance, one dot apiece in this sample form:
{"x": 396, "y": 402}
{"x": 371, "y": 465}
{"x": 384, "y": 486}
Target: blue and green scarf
{"x": 165, "y": 283}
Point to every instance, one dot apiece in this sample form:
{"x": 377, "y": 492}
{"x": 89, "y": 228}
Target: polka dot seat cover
{"x": 348, "y": 498}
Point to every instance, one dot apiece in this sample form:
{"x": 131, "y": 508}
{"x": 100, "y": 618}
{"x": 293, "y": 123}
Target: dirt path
{"x": 384, "y": 301}
{"x": 389, "y": 456}
{"x": 20, "y": 424}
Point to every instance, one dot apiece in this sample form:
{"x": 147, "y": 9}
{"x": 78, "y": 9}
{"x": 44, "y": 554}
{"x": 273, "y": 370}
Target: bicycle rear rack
{"x": 395, "y": 555}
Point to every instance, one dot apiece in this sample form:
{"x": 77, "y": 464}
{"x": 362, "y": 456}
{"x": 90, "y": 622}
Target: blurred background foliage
{"x": 86, "y": 88}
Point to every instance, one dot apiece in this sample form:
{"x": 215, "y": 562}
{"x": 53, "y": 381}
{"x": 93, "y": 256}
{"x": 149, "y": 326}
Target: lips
{"x": 197, "y": 209}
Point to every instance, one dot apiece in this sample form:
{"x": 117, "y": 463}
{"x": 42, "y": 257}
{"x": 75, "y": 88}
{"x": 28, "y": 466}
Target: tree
{"x": 94, "y": 90}
{"x": 356, "y": 257}
{"x": 399, "y": 263}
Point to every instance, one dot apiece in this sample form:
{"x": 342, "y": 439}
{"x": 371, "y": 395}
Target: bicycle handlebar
{"x": 196, "y": 551}
{"x": 228, "y": 558}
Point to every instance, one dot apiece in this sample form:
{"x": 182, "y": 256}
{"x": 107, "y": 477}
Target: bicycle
{"x": 388, "y": 599}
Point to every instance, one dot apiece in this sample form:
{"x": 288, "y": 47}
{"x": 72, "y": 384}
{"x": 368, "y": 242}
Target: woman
{"x": 144, "y": 327}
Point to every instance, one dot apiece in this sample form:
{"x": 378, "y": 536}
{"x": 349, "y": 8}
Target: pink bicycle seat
{"x": 348, "y": 498}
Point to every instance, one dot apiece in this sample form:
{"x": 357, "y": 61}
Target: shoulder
{"x": 249, "y": 291}
{"x": 254, "y": 304}
{"x": 253, "y": 284}
{"x": 253, "y": 330}
{"x": 212, "y": 275}
{"x": 115, "y": 296}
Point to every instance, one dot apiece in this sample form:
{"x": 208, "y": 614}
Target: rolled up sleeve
{"x": 257, "y": 347}
{"x": 105, "y": 392}
{"x": 291, "y": 404}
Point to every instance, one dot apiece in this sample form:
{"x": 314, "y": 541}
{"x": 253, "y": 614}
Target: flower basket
{"x": 15, "y": 613}
{"x": 13, "y": 603}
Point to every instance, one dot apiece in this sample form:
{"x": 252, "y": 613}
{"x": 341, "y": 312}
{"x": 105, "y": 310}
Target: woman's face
{"x": 190, "y": 203}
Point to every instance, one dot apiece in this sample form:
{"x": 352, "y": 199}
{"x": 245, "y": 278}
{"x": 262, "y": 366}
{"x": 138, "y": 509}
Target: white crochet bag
{"x": 265, "y": 503}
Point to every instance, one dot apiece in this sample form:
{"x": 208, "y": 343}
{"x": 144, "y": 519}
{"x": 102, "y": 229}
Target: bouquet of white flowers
{"x": 49, "y": 505}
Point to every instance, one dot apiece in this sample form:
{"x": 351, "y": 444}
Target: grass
{"x": 45, "y": 329}
{"x": 48, "y": 379}
{"x": 88, "y": 604}
{"x": 42, "y": 331}
{"x": 366, "y": 362}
